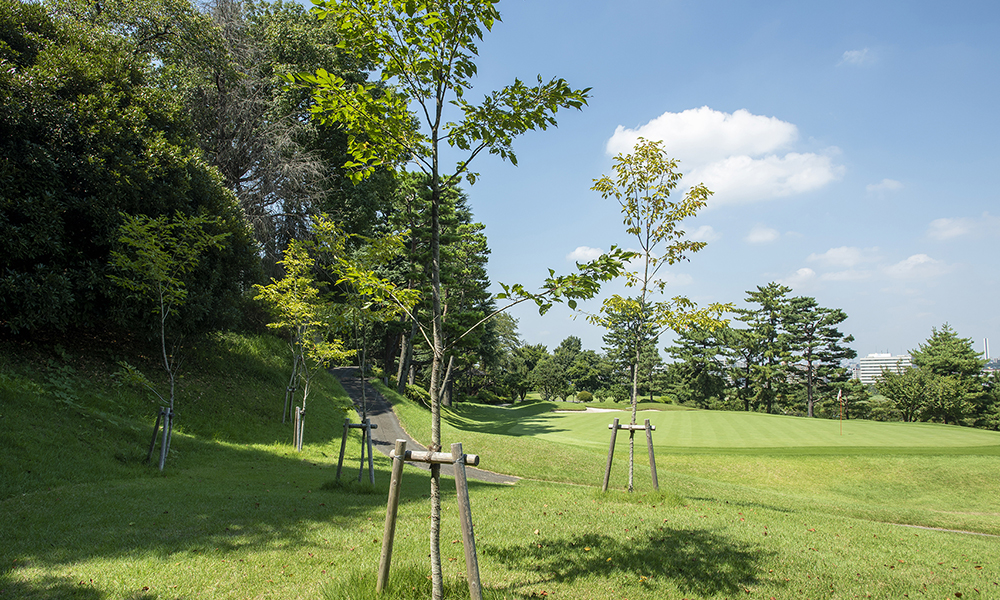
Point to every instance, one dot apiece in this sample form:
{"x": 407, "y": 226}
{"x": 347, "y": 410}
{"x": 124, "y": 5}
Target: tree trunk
{"x": 391, "y": 345}
{"x": 437, "y": 353}
{"x": 405, "y": 373}
{"x": 631, "y": 433}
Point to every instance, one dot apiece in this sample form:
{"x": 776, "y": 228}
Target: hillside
{"x": 66, "y": 417}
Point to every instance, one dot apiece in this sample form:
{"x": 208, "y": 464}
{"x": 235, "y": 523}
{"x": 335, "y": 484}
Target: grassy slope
{"x": 237, "y": 515}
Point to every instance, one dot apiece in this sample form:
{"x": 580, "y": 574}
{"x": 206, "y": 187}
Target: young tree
{"x": 155, "y": 256}
{"x": 642, "y": 186}
{"x": 300, "y": 310}
{"x": 817, "y": 344}
{"x": 425, "y": 51}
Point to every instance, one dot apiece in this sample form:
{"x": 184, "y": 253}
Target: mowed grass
{"x": 911, "y": 473}
{"x": 239, "y": 515}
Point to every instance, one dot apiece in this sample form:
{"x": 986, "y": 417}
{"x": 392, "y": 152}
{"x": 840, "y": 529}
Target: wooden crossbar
{"x": 441, "y": 458}
{"x": 362, "y": 425}
{"x": 456, "y": 457}
{"x": 631, "y": 427}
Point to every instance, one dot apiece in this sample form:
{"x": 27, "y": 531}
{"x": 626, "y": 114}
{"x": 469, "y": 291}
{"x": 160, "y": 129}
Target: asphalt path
{"x": 389, "y": 430}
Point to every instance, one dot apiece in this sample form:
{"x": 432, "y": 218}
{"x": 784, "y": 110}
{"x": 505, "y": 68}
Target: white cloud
{"x": 800, "y": 277}
{"x": 847, "y": 275}
{"x": 584, "y": 254}
{"x": 946, "y": 229}
{"x": 845, "y": 256}
{"x": 857, "y": 57}
{"x": 741, "y": 157}
{"x": 676, "y": 279}
{"x": 886, "y": 185}
{"x": 761, "y": 235}
{"x": 702, "y": 135}
{"x": 740, "y": 179}
{"x": 918, "y": 266}
{"x": 705, "y": 233}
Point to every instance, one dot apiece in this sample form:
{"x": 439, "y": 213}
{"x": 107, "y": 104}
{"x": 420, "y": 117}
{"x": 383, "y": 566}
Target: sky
{"x": 852, "y": 148}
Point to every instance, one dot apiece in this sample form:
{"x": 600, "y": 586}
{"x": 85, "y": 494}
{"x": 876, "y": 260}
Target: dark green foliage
{"x": 818, "y": 348}
{"x": 584, "y": 396}
{"x": 946, "y": 354}
{"x": 86, "y": 137}
{"x": 947, "y": 384}
{"x": 418, "y": 394}
{"x": 698, "y": 375}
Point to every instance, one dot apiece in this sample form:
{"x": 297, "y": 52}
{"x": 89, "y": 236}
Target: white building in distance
{"x": 871, "y": 366}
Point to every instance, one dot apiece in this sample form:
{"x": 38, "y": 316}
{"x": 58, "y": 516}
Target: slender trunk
{"x": 437, "y": 351}
{"x": 631, "y": 433}
{"x": 164, "y": 312}
{"x": 290, "y": 390}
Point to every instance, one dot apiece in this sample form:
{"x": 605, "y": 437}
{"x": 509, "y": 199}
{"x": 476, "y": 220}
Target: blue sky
{"x": 852, "y": 147}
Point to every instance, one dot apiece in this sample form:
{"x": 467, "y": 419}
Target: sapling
{"x": 155, "y": 255}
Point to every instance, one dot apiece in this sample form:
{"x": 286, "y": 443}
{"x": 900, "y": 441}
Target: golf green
{"x": 717, "y": 429}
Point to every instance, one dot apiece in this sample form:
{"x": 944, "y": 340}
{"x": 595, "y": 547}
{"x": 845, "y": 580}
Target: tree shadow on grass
{"x": 696, "y": 561}
{"x": 528, "y": 419}
{"x": 48, "y": 588}
{"x": 240, "y": 497}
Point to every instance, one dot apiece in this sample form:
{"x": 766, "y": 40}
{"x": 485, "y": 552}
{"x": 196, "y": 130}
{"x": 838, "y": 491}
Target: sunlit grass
{"x": 238, "y": 514}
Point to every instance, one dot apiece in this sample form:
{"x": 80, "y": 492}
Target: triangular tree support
{"x": 400, "y": 455}
{"x": 167, "y": 417}
{"x": 366, "y": 427}
{"x": 632, "y": 428}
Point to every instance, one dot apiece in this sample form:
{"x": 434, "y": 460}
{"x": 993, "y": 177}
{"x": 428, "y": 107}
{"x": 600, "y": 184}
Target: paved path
{"x": 389, "y": 430}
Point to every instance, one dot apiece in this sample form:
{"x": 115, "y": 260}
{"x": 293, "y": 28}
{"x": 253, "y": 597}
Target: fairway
{"x": 717, "y": 429}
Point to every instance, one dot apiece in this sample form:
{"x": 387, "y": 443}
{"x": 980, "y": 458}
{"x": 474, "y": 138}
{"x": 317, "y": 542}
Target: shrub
{"x": 488, "y": 397}
{"x": 584, "y": 396}
{"x": 418, "y": 394}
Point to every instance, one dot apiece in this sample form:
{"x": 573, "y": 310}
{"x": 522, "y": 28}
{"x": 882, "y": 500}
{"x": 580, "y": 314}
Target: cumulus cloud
{"x": 918, "y": 266}
{"x": 886, "y": 185}
{"x": 847, "y": 275}
{"x": 584, "y": 254}
{"x": 742, "y": 157}
{"x": 800, "y": 277}
{"x": 946, "y": 229}
{"x": 857, "y": 57}
{"x": 705, "y": 233}
{"x": 761, "y": 235}
{"x": 740, "y": 179}
{"x": 676, "y": 279}
{"x": 845, "y": 256}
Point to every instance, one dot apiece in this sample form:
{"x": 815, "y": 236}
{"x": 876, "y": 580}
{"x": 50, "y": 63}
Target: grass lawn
{"x": 788, "y": 509}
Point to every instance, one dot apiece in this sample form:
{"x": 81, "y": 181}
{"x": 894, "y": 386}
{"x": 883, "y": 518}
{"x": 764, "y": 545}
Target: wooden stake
{"x": 611, "y": 455}
{"x": 343, "y": 447}
{"x": 390, "y": 516}
{"x": 371, "y": 464}
{"x": 361, "y": 466}
{"x": 465, "y": 517}
{"x": 156, "y": 430}
{"x": 652, "y": 460}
